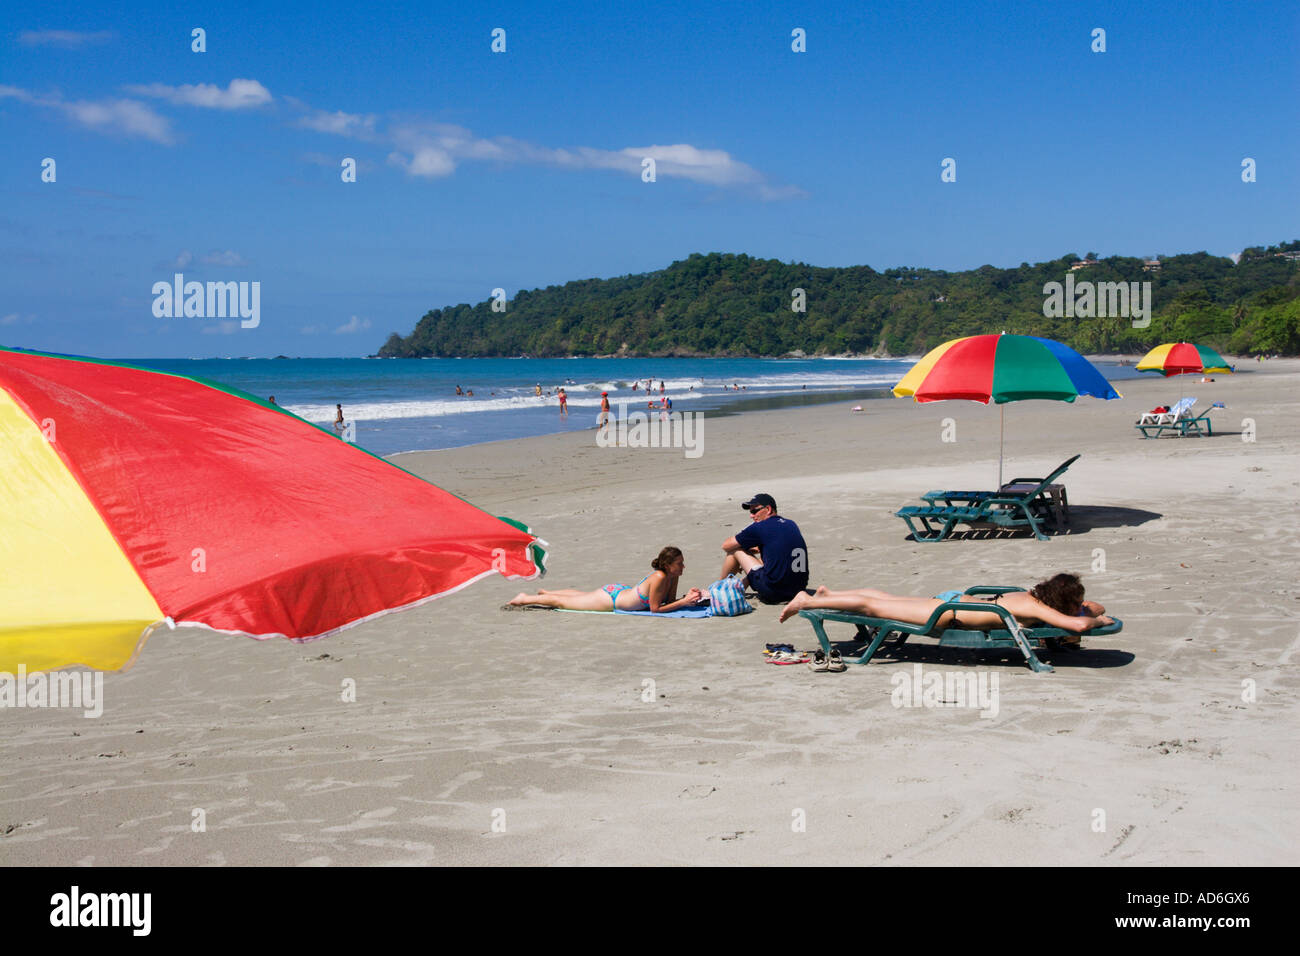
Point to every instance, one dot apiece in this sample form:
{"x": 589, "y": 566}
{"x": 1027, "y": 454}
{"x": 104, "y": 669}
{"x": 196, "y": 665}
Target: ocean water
{"x": 411, "y": 404}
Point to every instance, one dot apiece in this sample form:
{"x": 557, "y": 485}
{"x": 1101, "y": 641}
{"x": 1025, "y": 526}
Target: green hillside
{"x": 720, "y": 304}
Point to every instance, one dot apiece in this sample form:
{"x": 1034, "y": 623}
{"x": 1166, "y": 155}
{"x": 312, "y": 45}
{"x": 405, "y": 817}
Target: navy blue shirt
{"x": 785, "y": 557}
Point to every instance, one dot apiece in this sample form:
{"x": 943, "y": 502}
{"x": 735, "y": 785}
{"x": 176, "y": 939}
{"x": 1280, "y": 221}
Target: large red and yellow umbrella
{"x": 132, "y": 498}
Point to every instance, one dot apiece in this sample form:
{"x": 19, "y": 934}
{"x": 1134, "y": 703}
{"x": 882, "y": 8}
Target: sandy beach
{"x": 484, "y": 737}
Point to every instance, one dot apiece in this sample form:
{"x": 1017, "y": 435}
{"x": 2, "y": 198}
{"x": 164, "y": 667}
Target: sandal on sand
{"x": 785, "y": 657}
{"x": 819, "y": 662}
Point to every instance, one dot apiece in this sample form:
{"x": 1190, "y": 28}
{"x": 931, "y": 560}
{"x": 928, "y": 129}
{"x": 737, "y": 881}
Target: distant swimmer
{"x": 469, "y": 393}
{"x": 458, "y": 391}
{"x": 537, "y": 389}
{"x": 272, "y": 399}
{"x": 564, "y": 404}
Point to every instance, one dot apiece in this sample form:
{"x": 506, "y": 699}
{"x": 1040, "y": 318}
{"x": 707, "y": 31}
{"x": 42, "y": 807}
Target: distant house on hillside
{"x": 1151, "y": 265}
{"x": 1294, "y": 256}
{"x": 1083, "y": 264}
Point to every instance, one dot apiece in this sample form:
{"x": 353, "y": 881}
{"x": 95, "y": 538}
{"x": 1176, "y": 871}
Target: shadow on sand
{"x": 1092, "y": 657}
{"x": 1083, "y": 518}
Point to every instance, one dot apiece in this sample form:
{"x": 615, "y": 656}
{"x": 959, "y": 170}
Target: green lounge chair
{"x": 1024, "y": 503}
{"x": 873, "y": 631}
{"x": 1182, "y": 426}
{"x": 1051, "y": 500}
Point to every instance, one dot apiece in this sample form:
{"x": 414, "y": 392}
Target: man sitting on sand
{"x": 771, "y": 553}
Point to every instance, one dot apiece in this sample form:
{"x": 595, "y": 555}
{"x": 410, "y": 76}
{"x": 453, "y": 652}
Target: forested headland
{"x": 735, "y": 305}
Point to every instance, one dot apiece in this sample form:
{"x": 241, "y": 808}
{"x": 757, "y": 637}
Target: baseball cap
{"x": 759, "y": 500}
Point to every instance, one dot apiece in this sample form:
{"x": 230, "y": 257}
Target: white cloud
{"x": 239, "y": 95}
{"x": 228, "y": 258}
{"x": 121, "y": 117}
{"x": 353, "y": 125}
{"x": 65, "y": 39}
{"x": 184, "y": 259}
{"x": 14, "y": 318}
{"x": 433, "y": 150}
{"x": 353, "y": 324}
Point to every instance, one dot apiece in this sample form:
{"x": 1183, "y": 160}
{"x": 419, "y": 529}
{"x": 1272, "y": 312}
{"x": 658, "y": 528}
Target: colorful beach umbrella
{"x": 132, "y": 499}
{"x": 1001, "y": 369}
{"x": 1183, "y": 358}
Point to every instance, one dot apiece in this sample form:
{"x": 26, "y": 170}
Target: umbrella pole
{"x": 1002, "y": 421}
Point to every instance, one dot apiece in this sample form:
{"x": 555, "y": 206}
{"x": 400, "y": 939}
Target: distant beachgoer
{"x": 338, "y": 419}
{"x": 604, "y": 409}
{"x": 469, "y": 393}
{"x": 272, "y": 399}
{"x": 1056, "y": 602}
{"x": 656, "y": 592}
{"x": 661, "y": 387}
{"x": 458, "y": 391}
{"x": 564, "y": 404}
{"x": 537, "y": 389}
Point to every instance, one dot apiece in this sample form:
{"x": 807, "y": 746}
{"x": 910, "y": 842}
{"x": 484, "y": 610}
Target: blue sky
{"x": 479, "y": 170}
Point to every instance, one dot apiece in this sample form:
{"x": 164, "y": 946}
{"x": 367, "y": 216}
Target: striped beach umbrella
{"x": 1183, "y": 358}
{"x": 1001, "y": 369}
{"x": 132, "y": 499}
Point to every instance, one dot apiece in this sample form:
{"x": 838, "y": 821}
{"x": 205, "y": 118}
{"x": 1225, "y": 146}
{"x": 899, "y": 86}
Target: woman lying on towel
{"x": 1056, "y": 602}
{"x": 656, "y": 592}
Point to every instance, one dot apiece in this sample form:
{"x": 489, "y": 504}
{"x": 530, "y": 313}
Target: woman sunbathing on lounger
{"x": 656, "y": 592}
{"x": 1056, "y": 602}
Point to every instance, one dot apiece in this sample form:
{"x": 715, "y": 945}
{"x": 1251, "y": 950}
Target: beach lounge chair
{"x": 1023, "y": 503}
{"x": 1052, "y": 499}
{"x": 873, "y": 631}
{"x": 1182, "y": 426}
{"x": 1180, "y": 409}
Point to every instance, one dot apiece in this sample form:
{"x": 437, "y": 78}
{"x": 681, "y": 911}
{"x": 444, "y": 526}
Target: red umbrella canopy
{"x": 1183, "y": 358}
{"x": 132, "y": 496}
{"x": 1003, "y": 368}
